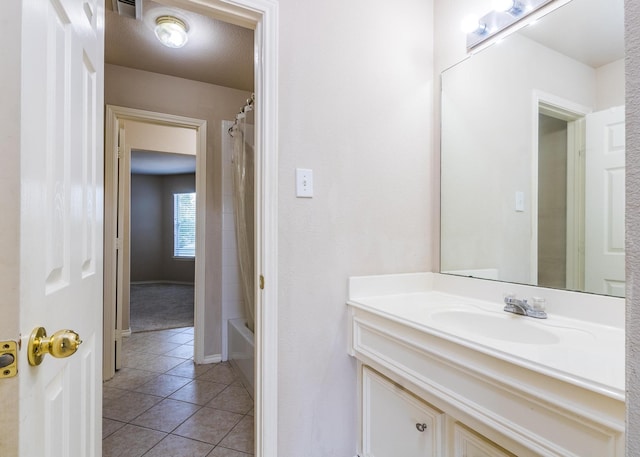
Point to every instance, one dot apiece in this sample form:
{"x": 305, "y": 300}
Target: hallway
{"x": 161, "y": 404}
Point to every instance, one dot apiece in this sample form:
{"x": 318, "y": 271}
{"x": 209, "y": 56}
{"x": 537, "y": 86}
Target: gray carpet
{"x": 161, "y": 306}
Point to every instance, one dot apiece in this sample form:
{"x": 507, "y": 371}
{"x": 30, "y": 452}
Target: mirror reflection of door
{"x": 580, "y": 239}
{"x": 605, "y": 202}
{"x": 560, "y": 243}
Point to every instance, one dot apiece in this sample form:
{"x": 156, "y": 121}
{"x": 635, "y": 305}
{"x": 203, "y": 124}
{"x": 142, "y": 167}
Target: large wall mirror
{"x": 533, "y": 154}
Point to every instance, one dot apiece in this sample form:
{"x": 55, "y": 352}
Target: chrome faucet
{"x": 522, "y": 307}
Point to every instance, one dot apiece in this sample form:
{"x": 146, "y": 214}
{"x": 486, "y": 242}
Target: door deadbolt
{"x": 61, "y": 344}
{"x": 8, "y": 359}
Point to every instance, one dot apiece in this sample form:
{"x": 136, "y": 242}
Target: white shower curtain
{"x": 243, "y": 196}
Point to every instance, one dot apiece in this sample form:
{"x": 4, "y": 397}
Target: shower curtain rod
{"x": 243, "y": 112}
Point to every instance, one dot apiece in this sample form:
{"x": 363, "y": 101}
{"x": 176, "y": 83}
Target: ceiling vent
{"x": 128, "y": 8}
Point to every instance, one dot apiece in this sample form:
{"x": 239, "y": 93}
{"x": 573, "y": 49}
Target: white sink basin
{"x": 505, "y": 327}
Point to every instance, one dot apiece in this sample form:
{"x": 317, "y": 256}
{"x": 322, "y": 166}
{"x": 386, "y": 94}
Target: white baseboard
{"x": 163, "y": 281}
{"x": 215, "y": 358}
{"x": 126, "y": 332}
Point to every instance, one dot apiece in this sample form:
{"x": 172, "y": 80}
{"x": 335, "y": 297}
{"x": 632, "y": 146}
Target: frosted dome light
{"x": 171, "y": 31}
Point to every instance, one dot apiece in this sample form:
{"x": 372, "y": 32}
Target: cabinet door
{"x": 396, "y": 423}
{"x": 470, "y": 444}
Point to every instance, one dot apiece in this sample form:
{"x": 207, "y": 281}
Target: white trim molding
{"x": 266, "y": 146}
{"x": 113, "y": 116}
{"x": 215, "y": 358}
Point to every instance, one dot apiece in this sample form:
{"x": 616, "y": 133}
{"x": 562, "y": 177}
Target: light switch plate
{"x": 304, "y": 183}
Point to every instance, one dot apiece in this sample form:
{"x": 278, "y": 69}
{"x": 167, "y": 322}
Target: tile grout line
{"x": 194, "y": 377}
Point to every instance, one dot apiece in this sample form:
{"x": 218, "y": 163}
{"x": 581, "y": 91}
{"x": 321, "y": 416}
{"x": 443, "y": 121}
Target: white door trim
{"x": 263, "y": 16}
{"x": 113, "y": 115}
{"x": 266, "y": 207}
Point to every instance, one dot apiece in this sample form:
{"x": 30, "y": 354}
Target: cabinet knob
{"x": 421, "y": 427}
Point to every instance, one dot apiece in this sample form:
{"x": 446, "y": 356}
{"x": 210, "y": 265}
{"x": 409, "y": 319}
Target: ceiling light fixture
{"x": 171, "y": 31}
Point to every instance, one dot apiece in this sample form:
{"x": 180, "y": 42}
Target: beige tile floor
{"x": 160, "y": 404}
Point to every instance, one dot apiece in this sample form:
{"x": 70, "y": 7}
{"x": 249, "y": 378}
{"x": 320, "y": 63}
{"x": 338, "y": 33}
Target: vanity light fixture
{"x": 470, "y": 24}
{"x": 513, "y": 7}
{"x": 505, "y": 13}
{"x": 171, "y": 31}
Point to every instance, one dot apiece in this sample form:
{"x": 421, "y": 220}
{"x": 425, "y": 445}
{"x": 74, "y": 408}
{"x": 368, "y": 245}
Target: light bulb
{"x": 503, "y": 5}
{"x": 470, "y": 24}
{"x": 513, "y": 7}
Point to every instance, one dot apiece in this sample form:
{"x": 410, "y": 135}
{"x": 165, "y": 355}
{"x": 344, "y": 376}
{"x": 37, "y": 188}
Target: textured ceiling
{"x": 216, "y": 53}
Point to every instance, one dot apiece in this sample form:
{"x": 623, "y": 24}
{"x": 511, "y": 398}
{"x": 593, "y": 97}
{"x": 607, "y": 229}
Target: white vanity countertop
{"x": 565, "y": 346}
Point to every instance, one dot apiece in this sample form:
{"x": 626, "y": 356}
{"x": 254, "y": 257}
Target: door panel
{"x": 604, "y": 202}
{"x": 61, "y": 181}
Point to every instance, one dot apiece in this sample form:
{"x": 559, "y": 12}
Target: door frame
{"x": 262, "y": 17}
{"x": 113, "y": 117}
{"x": 571, "y": 112}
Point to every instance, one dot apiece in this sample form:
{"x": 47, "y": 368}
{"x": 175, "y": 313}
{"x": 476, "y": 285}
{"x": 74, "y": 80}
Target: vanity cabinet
{"x": 470, "y": 444}
{"x": 397, "y": 423}
{"x": 473, "y": 399}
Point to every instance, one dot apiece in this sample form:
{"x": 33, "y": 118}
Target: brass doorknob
{"x": 63, "y": 343}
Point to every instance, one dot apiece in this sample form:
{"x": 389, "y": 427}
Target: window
{"x": 184, "y": 225}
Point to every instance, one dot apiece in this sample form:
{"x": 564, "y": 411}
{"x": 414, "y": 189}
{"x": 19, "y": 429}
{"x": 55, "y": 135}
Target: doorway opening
{"x": 261, "y": 16}
{"x": 162, "y": 238}
{"x": 130, "y": 135}
{"x": 558, "y": 209}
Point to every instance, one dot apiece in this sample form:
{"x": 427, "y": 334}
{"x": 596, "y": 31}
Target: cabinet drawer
{"x": 469, "y": 444}
{"x": 396, "y": 423}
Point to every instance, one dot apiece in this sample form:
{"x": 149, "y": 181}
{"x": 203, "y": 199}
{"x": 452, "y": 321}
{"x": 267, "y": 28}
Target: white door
{"x": 604, "y": 202}
{"x": 61, "y": 184}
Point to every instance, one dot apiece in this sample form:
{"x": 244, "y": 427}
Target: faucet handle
{"x": 539, "y": 303}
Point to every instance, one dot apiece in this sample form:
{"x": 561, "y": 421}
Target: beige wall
{"x": 160, "y": 138}
{"x": 166, "y": 94}
{"x": 180, "y": 270}
{"x": 146, "y": 227}
{"x": 152, "y": 228}
{"x": 632, "y": 19}
{"x": 355, "y": 106}
{"x": 610, "y": 91}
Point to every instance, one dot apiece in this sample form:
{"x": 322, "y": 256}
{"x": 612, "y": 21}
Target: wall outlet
{"x": 304, "y": 183}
